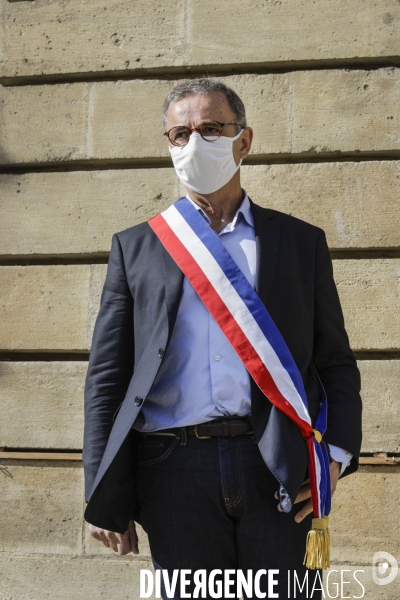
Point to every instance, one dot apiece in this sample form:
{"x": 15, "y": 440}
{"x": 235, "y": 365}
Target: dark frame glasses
{"x": 207, "y": 129}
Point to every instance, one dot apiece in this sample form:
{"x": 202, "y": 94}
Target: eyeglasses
{"x": 209, "y": 131}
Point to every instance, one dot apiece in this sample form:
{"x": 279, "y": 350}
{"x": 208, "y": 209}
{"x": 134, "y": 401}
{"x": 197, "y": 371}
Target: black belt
{"x": 216, "y": 428}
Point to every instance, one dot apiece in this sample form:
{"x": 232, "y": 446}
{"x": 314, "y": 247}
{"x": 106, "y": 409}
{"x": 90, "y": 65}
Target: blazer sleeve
{"x": 110, "y": 364}
{"x": 335, "y": 362}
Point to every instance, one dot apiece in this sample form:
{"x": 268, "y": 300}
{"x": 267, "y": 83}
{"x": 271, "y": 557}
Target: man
{"x": 178, "y": 435}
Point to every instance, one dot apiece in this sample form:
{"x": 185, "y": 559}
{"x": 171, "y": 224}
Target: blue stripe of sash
{"x": 328, "y": 497}
{"x": 323, "y": 484}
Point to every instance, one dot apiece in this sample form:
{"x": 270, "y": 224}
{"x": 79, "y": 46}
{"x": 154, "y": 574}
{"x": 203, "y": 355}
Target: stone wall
{"x": 82, "y": 156}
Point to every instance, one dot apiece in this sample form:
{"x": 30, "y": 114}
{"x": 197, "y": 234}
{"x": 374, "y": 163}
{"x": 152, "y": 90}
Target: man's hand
{"x": 305, "y": 492}
{"x": 123, "y": 543}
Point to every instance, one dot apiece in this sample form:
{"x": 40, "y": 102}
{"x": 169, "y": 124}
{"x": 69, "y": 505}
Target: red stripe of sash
{"x": 312, "y": 472}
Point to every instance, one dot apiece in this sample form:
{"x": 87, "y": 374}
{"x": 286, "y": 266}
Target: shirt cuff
{"x": 341, "y": 456}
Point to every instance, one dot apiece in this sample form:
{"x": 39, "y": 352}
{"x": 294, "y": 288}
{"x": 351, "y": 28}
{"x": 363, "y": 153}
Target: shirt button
{"x": 217, "y": 357}
{"x": 161, "y": 352}
{"x": 138, "y": 401}
{"x": 219, "y": 401}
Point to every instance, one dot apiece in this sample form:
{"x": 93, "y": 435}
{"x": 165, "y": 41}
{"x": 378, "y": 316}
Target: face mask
{"x": 205, "y": 167}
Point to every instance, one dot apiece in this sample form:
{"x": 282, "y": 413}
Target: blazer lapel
{"x": 267, "y": 233}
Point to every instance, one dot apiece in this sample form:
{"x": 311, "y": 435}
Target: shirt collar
{"x": 243, "y": 212}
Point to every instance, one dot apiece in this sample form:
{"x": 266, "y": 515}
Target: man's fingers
{"x": 304, "y": 493}
{"x": 113, "y": 540}
{"x": 276, "y": 495}
{"x": 118, "y": 542}
{"x": 123, "y": 543}
{"x": 108, "y": 538}
{"x": 306, "y": 510}
{"x": 99, "y": 534}
{"x": 103, "y": 537}
{"x": 123, "y": 546}
{"x": 96, "y": 536}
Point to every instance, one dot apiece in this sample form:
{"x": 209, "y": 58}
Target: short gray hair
{"x": 205, "y": 85}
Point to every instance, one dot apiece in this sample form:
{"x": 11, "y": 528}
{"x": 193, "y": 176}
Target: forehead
{"x": 194, "y": 109}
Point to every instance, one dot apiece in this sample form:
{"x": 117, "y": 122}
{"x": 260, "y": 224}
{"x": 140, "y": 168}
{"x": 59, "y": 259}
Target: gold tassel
{"x": 318, "y": 545}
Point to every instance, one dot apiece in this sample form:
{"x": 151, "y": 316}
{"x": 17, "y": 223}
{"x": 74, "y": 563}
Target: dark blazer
{"x": 138, "y": 308}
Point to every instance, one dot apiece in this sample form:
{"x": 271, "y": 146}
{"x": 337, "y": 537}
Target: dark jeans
{"x": 209, "y": 504}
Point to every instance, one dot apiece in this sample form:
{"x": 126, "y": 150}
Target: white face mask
{"x": 205, "y": 167}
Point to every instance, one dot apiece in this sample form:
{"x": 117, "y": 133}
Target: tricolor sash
{"x": 249, "y": 328}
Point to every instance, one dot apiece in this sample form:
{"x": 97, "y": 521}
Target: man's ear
{"x": 245, "y": 142}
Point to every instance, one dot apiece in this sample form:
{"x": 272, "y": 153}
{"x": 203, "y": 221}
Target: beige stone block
{"x": 55, "y": 307}
{"x": 46, "y": 518}
{"x": 369, "y": 292}
{"x": 288, "y": 30}
{"x": 268, "y": 100}
{"x": 365, "y": 515}
{"x": 380, "y": 392}
{"x": 54, "y": 38}
{"x": 78, "y": 212}
{"x": 125, "y": 119}
{"x": 41, "y": 507}
{"x": 95, "y": 548}
{"x": 42, "y": 404}
{"x": 356, "y": 204}
{"x": 48, "y": 396}
{"x": 49, "y": 307}
{"x": 47, "y": 578}
{"x": 350, "y": 581}
{"x": 125, "y": 115}
{"x": 43, "y": 123}
{"x": 349, "y": 111}
{"x": 300, "y": 112}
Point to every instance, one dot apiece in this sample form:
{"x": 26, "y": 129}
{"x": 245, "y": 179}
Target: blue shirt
{"x": 201, "y": 377}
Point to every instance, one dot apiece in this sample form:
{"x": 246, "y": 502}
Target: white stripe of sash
{"x": 237, "y": 307}
{"x": 318, "y": 476}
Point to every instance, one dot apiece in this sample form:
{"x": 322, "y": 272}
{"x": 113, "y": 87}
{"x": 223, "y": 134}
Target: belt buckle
{"x": 201, "y": 437}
